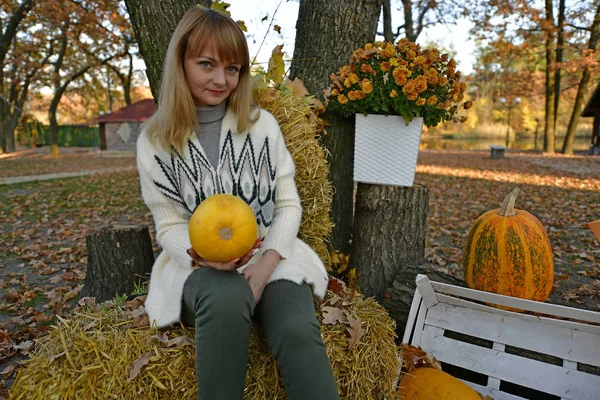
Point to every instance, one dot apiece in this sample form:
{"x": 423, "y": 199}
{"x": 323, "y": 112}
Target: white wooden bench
{"x": 505, "y": 348}
{"x": 497, "y": 151}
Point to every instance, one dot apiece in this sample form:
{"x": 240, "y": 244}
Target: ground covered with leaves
{"x": 43, "y": 225}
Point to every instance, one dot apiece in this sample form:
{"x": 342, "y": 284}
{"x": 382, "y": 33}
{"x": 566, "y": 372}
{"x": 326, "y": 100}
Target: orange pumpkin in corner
{"x": 433, "y": 384}
{"x": 508, "y": 252}
{"x": 223, "y": 227}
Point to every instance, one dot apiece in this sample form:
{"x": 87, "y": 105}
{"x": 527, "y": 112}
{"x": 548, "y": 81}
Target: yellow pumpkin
{"x": 222, "y": 228}
{"x": 433, "y": 384}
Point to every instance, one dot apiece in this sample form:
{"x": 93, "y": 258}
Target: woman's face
{"x": 210, "y": 79}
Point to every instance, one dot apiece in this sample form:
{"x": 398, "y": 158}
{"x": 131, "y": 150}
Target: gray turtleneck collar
{"x": 210, "y": 114}
{"x": 211, "y": 119}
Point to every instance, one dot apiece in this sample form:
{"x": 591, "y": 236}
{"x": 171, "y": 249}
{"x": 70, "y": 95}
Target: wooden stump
{"x": 388, "y": 235}
{"x": 118, "y": 256}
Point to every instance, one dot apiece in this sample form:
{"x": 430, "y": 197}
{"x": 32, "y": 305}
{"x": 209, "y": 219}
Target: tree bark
{"x": 153, "y": 23}
{"x": 549, "y": 132}
{"x": 560, "y": 43}
{"x": 315, "y": 59}
{"x": 398, "y": 297}
{"x": 388, "y": 34}
{"x": 7, "y": 34}
{"x": 389, "y": 234}
{"x": 118, "y": 257}
{"x": 569, "y": 143}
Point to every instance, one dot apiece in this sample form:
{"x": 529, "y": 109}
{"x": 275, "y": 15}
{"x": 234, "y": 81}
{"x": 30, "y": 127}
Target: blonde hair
{"x": 175, "y": 117}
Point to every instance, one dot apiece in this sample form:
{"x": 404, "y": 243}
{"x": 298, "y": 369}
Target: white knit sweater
{"x": 254, "y": 165}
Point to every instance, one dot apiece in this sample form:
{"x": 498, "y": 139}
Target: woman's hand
{"x": 258, "y": 274}
{"x": 232, "y": 265}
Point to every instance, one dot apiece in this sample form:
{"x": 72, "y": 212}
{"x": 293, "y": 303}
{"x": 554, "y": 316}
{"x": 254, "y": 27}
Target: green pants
{"x": 220, "y": 305}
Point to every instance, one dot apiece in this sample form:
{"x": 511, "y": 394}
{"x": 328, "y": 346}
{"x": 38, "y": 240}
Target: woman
{"x": 206, "y": 138}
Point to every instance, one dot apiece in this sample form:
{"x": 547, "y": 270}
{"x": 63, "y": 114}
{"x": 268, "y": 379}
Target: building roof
{"x": 139, "y": 111}
{"x": 593, "y": 106}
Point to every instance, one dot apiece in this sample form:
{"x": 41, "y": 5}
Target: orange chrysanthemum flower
{"x": 342, "y": 99}
{"x": 443, "y": 81}
{"x": 367, "y": 87}
{"x": 432, "y": 101}
{"x": 393, "y": 93}
{"x": 385, "y": 66}
{"x": 368, "y": 46}
{"x": 359, "y": 94}
{"x": 420, "y": 101}
{"x": 421, "y": 84}
{"x": 354, "y": 78}
{"x": 394, "y": 62}
{"x": 352, "y": 95}
{"x": 389, "y": 51}
{"x": 367, "y": 69}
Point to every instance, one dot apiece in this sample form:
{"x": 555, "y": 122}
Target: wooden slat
{"x": 533, "y": 306}
{"x": 412, "y": 315}
{"x": 416, "y": 340}
{"x": 528, "y": 317}
{"x": 426, "y": 290}
{"x": 493, "y": 393}
{"x": 551, "y": 379}
{"x": 534, "y": 335}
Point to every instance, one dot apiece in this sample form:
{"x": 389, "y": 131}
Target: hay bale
{"x": 95, "y": 353}
{"x": 300, "y": 127}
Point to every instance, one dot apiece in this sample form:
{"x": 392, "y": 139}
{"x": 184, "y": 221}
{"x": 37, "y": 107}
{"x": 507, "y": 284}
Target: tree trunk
{"x": 118, "y": 257}
{"x": 569, "y": 143}
{"x": 409, "y": 29}
{"x": 549, "y": 132}
{"x": 389, "y": 234}
{"x": 560, "y": 43}
{"x": 315, "y": 59}
{"x": 153, "y": 23}
{"x": 388, "y": 34}
{"x": 398, "y": 297}
{"x": 54, "y": 125}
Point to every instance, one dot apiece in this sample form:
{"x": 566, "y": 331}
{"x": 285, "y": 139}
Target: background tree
{"x": 11, "y": 15}
{"x": 153, "y": 23}
{"x": 582, "y": 88}
{"x": 326, "y": 34}
{"x": 418, "y": 15}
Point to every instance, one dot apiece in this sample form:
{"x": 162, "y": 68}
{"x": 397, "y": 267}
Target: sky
{"x": 252, "y": 12}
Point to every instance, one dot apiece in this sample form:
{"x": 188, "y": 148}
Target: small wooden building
{"x": 592, "y": 109}
{"x": 119, "y": 129}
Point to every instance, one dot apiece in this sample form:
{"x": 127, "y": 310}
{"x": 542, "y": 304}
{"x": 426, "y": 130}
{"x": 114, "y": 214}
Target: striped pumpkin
{"x": 508, "y": 252}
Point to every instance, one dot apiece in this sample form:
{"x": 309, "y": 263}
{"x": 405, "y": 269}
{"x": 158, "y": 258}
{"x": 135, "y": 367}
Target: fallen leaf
{"x": 12, "y": 295}
{"x": 277, "y": 29}
{"x": 138, "y": 364}
{"x": 355, "y": 330}
{"x": 332, "y": 315}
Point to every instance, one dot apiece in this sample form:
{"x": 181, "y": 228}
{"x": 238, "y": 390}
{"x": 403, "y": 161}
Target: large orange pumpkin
{"x": 222, "y": 228}
{"x": 508, "y": 252}
{"x": 433, "y": 384}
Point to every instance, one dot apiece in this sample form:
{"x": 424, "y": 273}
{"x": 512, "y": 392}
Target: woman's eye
{"x": 233, "y": 68}
{"x": 204, "y": 64}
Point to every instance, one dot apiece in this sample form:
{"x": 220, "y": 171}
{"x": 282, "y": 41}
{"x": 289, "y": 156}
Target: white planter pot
{"x": 386, "y": 149}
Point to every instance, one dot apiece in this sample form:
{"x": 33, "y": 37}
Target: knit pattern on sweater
{"x": 248, "y": 175}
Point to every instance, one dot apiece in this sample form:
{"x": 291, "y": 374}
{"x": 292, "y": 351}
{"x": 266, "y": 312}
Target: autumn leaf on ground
{"x": 355, "y": 330}
{"x": 135, "y": 303}
{"x": 138, "y": 365}
{"x": 414, "y": 357}
{"x": 12, "y": 295}
{"x": 179, "y": 341}
{"x": 332, "y": 315}
{"x": 85, "y": 302}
